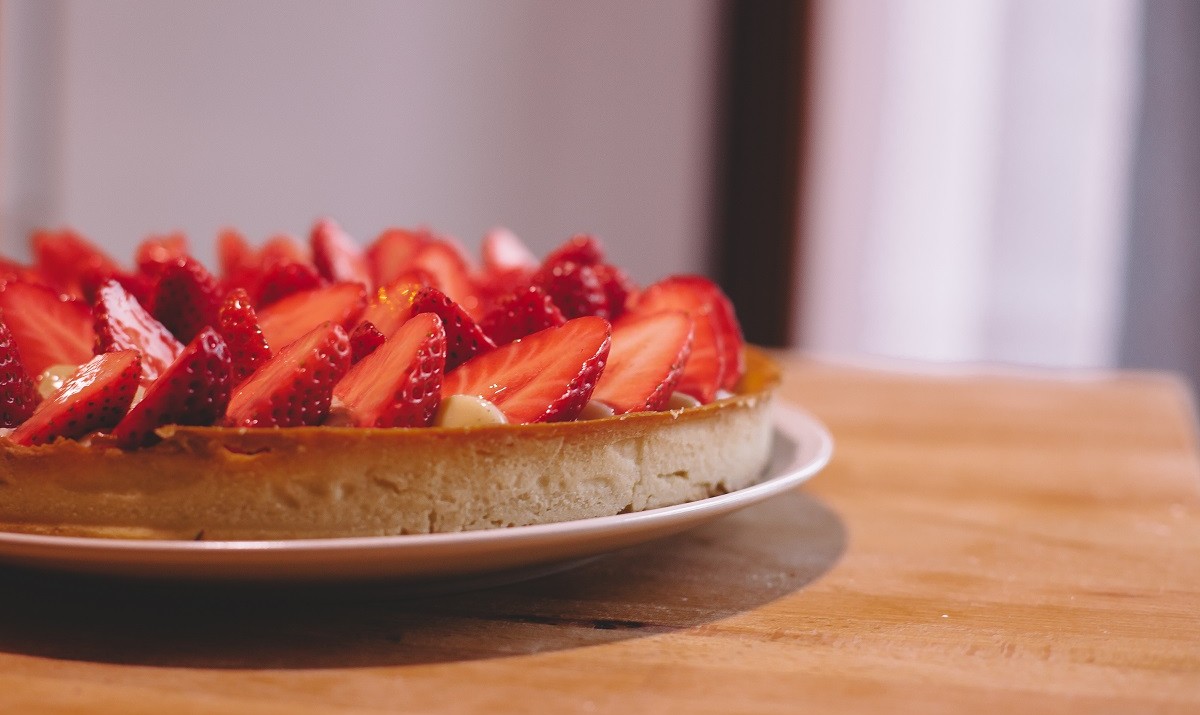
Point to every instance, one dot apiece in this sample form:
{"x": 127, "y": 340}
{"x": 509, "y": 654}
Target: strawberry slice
{"x": 392, "y": 253}
{"x": 574, "y": 287}
{"x": 285, "y": 321}
{"x": 399, "y": 384}
{"x": 282, "y": 249}
{"x": 186, "y": 298}
{"x": 503, "y": 251}
{"x": 193, "y": 390}
{"x": 336, "y": 256}
{"x": 295, "y": 387}
{"x": 464, "y": 338}
{"x": 391, "y": 306}
{"x": 546, "y": 377}
{"x": 140, "y": 285}
{"x": 235, "y": 258}
{"x": 94, "y": 398}
{"x": 122, "y": 323}
{"x": 156, "y": 252}
{"x": 239, "y": 327}
{"x": 283, "y": 278}
{"x": 47, "y": 328}
{"x": 582, "y": 249}
{"x": 697, "y": 294}
{"x": 646, "y": 362}
{"x": 451, "y": 272}
{"x": 523, "y": 313}
{"x": 619, "y": 289}
{"x": 365, "y": 339}
{"x": 11, "y": 270}
{"x": 17, "y": 395}
{"x": 64, "y": 257}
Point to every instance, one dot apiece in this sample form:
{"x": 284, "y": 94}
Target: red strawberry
{"x": 445, "y": 261}
{"x": 391, "y": 306}
{"x": 297, "y": 314}
{"x": 94, "y": 398}
{"x": 186, "y": 298}
{"x": 64, "y": 257}
{"x": 140, "y": 285}
{"x": 156, "y": 252}
{"x": 545, "y": 377}
{"x": 281, "y": 249}
{"x": 193, "y": 390}
{"x": 365, "y": 339}
{"x": 717, "y": 344}
{"x": 523, "y": 313}
{"x": 11, "y": 270}
{"x": 336, "y": 256}
{"x": 398, "y": 385}
{"x": 123, "y": 324}
{"x": 295, "y": 387}
{"x": 619, "y": 289}
{"x": 47, "y": 329}
{"x": 392, "y": 253}
{"x": 235, "y": 258}
{"x": 582, "y": 249}
{"x": 503, "y": 251}
{"x": 281, "y": 279}
{"x": 464, "y": 338}
{"x": 574, "y": 287}
{"x": 17, "y": 396}
{"x": 238, "y": 325}
{"x": 646, "y": 361}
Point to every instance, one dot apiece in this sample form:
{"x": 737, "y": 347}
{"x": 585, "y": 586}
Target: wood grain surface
{"x": 981, "y": 543}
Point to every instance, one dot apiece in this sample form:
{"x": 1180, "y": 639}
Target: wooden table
{"x": 981, "y": 543}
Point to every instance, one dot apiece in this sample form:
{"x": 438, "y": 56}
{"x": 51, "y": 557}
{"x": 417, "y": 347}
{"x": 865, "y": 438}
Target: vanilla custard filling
{"x": 467, "y": 411}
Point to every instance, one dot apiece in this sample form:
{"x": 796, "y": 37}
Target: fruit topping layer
{"x": 409, "y": 332}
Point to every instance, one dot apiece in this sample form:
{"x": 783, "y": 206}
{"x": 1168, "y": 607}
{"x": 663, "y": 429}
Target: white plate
{"x": 802, "y": 447}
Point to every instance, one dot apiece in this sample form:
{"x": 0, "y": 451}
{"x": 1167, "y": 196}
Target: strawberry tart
{"x": 322, "y": 390}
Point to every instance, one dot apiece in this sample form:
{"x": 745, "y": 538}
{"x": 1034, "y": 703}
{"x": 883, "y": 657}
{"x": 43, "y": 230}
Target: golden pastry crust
{"x": 309, "y": 482}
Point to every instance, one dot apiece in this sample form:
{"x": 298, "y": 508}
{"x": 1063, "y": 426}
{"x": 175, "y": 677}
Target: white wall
{"x": 548, "y": 117}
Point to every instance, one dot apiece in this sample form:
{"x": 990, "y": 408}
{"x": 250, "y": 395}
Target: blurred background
{"x": 1010, "y": 181}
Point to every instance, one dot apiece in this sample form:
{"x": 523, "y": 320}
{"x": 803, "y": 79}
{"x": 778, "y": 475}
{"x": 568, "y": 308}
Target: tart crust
{"x": 309, "y": 482}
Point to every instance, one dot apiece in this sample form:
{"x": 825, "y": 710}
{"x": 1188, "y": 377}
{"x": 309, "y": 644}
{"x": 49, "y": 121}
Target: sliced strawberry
{"x": 392, "y": 253}
{"x": 574, "y": 287}
{"x": 399, "y": 384}
{"x": 391, "y": 306}
{"x": 193, "y": 390}
{"x": 297, "y": 314}
{"x": 545, "y": 377}
{"x": 646, "y": 361}
{"x": 95, "y": 397}
{"x": 464, "y": 338}
{"x": 11, "y": 270}
{"x": 122, "y": 323}
{"x": 280, "y": 249}
{"x": 365, "y": 339}
{"x": 47, "y": 328}
{"x": 235, "y": 258}
{"x": 445, "y": 261}
{"x": 522, "y": 313}
{"x": 140, "y": 285}
{"x": 619, "y": 289}
{"x": 699, "y": 295}
{"x": 17, "y": 395}
{"x": 582, "y": 249}
{"x": 336, "y": 256}
{"x": 64, "y": 257}
{"x": 156, "y": 252}
{"x": 239, "y": 327}
{"x": 295, "y": 387}
{"x": 503, "y": 251}
{"x": 186, "y": 298}
{"x": 283, "y": 278}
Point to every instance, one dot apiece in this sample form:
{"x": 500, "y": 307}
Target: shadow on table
{"x": 713, "y": 572}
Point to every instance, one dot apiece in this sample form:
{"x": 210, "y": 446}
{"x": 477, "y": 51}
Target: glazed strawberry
{"x": 95, "y": 397}
{"x": 574, "y": 287}
{"x": 121, "y": 323}
{"x": 619, "y": 289}
{"x": 17, "y": 396}
{"x": 193, "y": 390}
{"x": 523, "y": 313}
{"x": 238, "y": 325}
{"x": 446, "y": 262}
{"x": 140, "y": 285}
{"x": 295, "y": 315}
{"x": 186, "y": 298}
{"x": 64, "y": 257}
{"x": 336, "y": 256}
{"x": 545, "y": 377}
{"x": 365, "y": 339}
{"x": 582, "y": 249}
{"x": 400, "y": 383}
{"x": 283, "y": 278}
{"x": 11, "y": 270}
{"x": 464, "y": 338}
{"x": 646, "y": 361}
{"x": 282, "y": 249}
{"x": 156, "y": 252}
{"x": 295, "y": 387}
{"x": 392, "y": 253}
{"x": 235, "y": 258}
{"x": 503, "y": 251}
{"x": 696, "y": 294}
{"x": 391, "y": 306}
{"x": 47, "y": 328}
